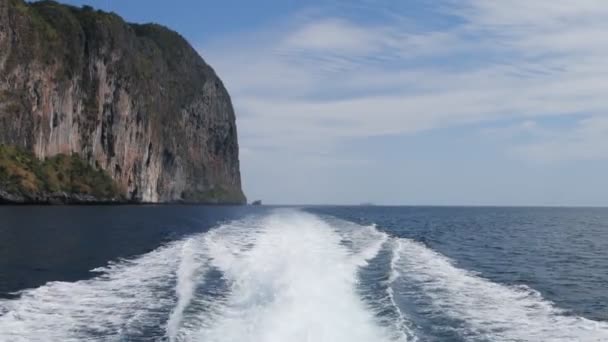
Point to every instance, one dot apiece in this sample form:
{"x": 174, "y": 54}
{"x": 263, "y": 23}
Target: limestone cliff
{"x": 134, "y": 100}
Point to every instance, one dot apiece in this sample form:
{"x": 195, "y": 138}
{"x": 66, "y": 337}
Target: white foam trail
{"x": 395, "y": 259}
{"x": 189, "y": 273}
{"x": 402, "y": 324}
{"x": 366, "y": 241}
{"x": 290, "y": 281}
{"x": 127, "y": 298}
{"x": 204, "y": 308}
{"x": 489, "y": 310}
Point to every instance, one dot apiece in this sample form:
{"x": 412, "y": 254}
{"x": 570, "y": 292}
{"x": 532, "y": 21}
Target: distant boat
{"x": 256, "y": 202}
{"x": 367, "y": 204}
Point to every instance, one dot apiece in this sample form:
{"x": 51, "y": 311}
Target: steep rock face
{"x": 134, "y": 100}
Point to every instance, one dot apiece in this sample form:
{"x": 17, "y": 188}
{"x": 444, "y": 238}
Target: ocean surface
{"x": 270, "y": 274}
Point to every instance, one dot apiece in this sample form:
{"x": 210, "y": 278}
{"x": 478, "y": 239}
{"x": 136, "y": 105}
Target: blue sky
{"x": 469, "y": 102}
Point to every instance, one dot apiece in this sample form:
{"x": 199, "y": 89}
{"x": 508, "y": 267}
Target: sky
{"x": 413, "y": 102}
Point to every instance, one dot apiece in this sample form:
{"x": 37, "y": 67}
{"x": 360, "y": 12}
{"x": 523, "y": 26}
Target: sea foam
{"x": 486, "y": 310}
{"x": 297, "y": 282}
{"x": 287, "y": 276}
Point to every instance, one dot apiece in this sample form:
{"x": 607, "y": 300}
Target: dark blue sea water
{"x": 192, "y": 273}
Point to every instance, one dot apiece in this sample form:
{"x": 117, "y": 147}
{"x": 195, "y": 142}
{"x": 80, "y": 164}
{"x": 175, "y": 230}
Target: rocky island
{"x": 94, "y": 109}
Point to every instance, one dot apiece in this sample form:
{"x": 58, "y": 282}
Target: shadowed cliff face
{"x": 134, "y": 100}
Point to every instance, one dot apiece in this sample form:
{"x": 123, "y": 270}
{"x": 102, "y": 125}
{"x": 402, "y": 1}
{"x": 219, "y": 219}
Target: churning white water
{"x": 295, "y": 283}
{"x": 287, "y": 276}
{"x": 126, "y": 299}
{"x": 486, "y": 309}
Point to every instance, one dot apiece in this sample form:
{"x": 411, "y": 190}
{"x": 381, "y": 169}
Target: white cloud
{"x": 317, "y": 82}
{"x": 332, "y": 34}
{"x": 513, "y": 131}
{"x": 586, "y": 141}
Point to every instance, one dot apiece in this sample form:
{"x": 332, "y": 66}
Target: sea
{"x": 310, "y": 273}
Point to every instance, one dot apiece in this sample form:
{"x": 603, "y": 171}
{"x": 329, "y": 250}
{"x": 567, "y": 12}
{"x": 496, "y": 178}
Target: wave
{"x": 289, "y": 276}
{"x": 481, "y": 309}
{"x": 192, "y": 264}
{"x": 297, "y": 282}
{"x": 130, "y": 298}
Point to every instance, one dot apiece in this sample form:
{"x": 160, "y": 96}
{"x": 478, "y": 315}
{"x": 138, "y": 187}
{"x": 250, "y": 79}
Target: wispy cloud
{"x": 332, "y": 35}
{"x": 329, "y": 77}
{"x": 586, "y": 141}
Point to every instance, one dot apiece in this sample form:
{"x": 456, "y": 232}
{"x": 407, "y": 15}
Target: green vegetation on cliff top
{"x": 23, "y": 175}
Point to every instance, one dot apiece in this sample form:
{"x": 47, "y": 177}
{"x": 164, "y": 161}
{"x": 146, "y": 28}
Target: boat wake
{"x": 289, "y": 276}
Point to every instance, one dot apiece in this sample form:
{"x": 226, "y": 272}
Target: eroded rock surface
{"x": 134, "y": 100}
